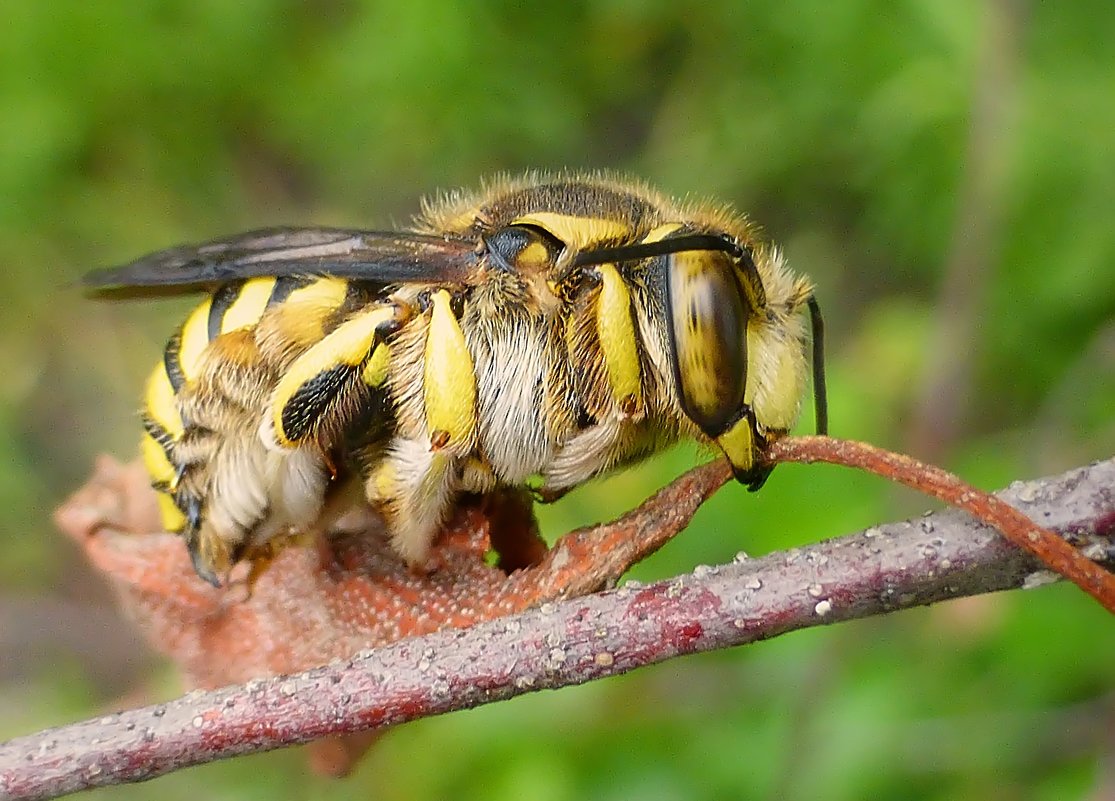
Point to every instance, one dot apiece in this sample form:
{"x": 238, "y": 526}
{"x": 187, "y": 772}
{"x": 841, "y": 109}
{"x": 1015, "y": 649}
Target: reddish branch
{"x": 936, "y": 557}
{"x": 1052, "y": 550}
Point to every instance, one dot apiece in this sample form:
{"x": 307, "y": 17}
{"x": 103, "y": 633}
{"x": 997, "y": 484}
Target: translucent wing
{"x": 379, "y": 256}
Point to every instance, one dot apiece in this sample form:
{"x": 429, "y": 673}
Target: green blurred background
{"x": 944, "y": 169}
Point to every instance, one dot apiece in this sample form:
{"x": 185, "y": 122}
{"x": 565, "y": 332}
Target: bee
{"x": 540, "y": 332}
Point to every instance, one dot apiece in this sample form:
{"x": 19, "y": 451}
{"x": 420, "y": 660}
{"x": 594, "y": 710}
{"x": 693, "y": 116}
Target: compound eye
{"x": 519, "y": 248}
{"x": 709, "y": 337}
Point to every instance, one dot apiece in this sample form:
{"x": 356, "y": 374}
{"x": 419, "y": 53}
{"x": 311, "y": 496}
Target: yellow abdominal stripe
{"x": 325, "y": 292}
{"x": 301, "y": 315}
{"x": 156, "y": 461}
{"x": 161, "y": 404}
{"x": 348, "y": 347}
{"x": 163, "y": 475}
{"x": 616, "y": 330}
{"x": 449, "y": 380}
{"x": 172, "y": 518}
{"x": 249, "y": 305}
{"x": 194, "y": 339}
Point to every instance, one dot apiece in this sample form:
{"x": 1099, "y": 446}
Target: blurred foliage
{"x": 944, "y": 171}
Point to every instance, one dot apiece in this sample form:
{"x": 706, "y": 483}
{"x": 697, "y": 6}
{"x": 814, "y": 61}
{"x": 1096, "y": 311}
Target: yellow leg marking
{"x": 449, "y": 379}
{"x": 375, "y": 371}
{"x": 616, "y": 329}
{"x": 380, "y": 486}
{"x": 319, "y": 374}
{"x": 412, "y": 488}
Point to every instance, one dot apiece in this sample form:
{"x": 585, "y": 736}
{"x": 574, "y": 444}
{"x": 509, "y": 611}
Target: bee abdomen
{"x": 200, "y": 402}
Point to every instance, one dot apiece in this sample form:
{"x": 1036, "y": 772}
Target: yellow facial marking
{"x": 249, "y": 305}
{"x": 449, "y": 377}
{"x": 577, "y": 232}
{"x": 534, "y": 255}
{"x": 616, "y": 329}
{"x": 195, "y": 336}
{"x": 661, "y": 232}
{"x": 160, "y": 402}
{"x": 777, "y": 382}
{"x": 738, "y": 444}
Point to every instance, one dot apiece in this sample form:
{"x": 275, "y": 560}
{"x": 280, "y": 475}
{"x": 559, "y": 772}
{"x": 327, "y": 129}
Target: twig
{"x": 1053, "y": 551}
{"x": 896, "y": 566}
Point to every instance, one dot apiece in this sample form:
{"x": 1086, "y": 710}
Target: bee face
{"x": 558, "y": 328}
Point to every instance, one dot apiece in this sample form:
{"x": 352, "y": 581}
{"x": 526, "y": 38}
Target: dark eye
{"x": 522, "y": 247}
{"x": 708, "y": 329}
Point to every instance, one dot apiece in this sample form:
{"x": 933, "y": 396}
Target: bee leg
{"x": 326, "y": 387}
{"x": 547, "y": 494}
{"x": 413, "y": 488}
{"x": 513, "y": 529}
{"x": 206, "y": 559}
{"x": 260, "y": 556}
{"x": 591, "y": 451}
{"x": 341, "y": 497}
{"x": 424, "y": 467}
{"x": 202, "y": 562}
{"x": 235, "y": 504}
{"x": 261, "y": 479}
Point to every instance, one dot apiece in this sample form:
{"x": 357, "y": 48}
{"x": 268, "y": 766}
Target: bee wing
{"x": 385, "y": 257}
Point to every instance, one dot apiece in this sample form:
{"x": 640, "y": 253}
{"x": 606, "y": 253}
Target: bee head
{"x": 713, "y": 293}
